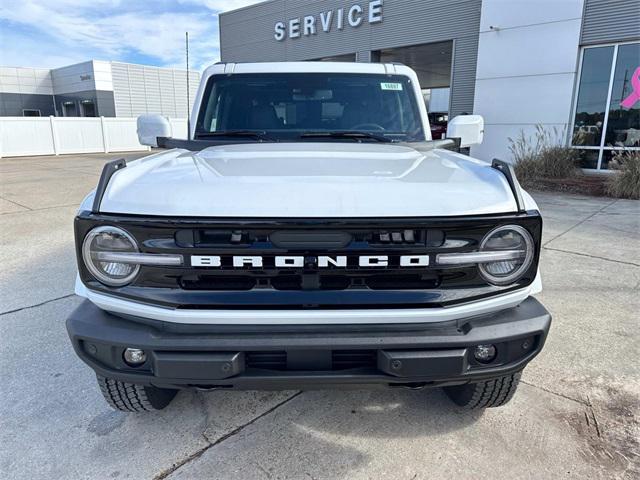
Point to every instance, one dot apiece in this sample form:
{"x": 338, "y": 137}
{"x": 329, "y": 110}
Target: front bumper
{"x": 298, "y": 357}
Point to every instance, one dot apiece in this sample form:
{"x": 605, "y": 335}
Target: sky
{"x": 56, "y": 33}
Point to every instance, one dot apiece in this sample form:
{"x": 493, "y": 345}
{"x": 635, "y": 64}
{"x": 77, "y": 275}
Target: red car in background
{"x": 438, "y": 123}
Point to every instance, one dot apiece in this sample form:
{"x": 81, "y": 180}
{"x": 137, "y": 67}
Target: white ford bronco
{"x": 309, "y": 233}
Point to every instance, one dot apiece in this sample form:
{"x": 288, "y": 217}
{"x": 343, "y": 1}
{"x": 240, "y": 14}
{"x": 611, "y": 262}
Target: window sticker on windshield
{"x": 391, "y": 86}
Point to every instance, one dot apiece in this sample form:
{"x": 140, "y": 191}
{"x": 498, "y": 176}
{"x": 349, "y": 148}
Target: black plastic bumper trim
{"x": 217, "y": 354}
{"x": 412, "y": 363}
{"x": 198, "y": 365}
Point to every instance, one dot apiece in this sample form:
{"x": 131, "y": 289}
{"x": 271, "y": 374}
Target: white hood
{"x": 320, "y": 180}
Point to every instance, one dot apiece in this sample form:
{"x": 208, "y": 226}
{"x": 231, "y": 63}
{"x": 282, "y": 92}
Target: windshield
{"x": 290, "y": 106}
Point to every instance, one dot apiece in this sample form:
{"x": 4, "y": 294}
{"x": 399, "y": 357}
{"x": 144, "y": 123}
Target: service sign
{"x": 330, "y": 20}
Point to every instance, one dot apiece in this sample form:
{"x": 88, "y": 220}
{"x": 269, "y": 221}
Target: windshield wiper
{"x": 261, "y": 135}
{"x": 349, "y": 135}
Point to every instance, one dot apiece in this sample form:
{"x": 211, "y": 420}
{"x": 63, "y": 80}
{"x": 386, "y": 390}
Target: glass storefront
{"x": 432, "y": 63}
{"x": 607, "y": 110}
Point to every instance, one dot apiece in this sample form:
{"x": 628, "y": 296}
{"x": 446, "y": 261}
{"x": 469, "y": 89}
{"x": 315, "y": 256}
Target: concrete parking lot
{"x": 576, "y": 414}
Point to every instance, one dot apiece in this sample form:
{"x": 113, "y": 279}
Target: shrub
{"x": 543, "y": 156}
{"x": 625, "y": 182}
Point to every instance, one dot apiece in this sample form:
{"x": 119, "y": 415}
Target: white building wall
{"x": 102, "y": 75}
{"x": 140, "y": 89}
{"x": 33, "y": 81}
{"x": 74, "y": 78}
{"x": 527, "y": 66}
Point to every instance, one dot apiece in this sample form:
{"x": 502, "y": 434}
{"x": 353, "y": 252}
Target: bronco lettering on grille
{"x": 323, "y": 261}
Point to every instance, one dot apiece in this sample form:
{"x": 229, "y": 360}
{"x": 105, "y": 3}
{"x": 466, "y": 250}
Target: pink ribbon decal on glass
{"x": 631, "y": 100}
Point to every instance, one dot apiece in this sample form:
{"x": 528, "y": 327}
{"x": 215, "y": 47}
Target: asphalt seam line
{"x": 591, "y": 256}
{"x": 15, "y": 203}
{"x": 566, "y": 397}
{"x": 37, "y": 305}
{"x": 197, "y": 454}
{"x": 76, "y": 204}
{"x": 580, "y": 222}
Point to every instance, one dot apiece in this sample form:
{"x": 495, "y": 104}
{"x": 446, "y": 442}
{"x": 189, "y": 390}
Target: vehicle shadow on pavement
{"x": 377, "y": 411}
{"x": 323, "y": 434}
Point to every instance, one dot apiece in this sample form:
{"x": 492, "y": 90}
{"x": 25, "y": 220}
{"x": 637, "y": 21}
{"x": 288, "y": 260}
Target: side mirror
{"x": 468, "y": 128}
{"x": 152, "y": 126}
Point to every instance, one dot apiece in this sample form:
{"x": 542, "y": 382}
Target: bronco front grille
{"x": 309, "y": 283}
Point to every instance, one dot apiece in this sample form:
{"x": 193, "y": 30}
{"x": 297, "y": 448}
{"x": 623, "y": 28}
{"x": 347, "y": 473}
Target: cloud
{"x": 220, "y": 6}
{"x": 40, "y": 33}
{"x": 34, "y": 53}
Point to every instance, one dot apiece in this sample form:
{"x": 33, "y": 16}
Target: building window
{"x": 31, "y": 112}
{"x": 88, "y": 108}
{"x": 607, "y": 108}
{"x": 69, "y": 109}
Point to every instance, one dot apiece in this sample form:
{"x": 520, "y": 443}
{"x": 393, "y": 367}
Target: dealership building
{"x": 571, "y": 67}
{"x": 96, "y": 89}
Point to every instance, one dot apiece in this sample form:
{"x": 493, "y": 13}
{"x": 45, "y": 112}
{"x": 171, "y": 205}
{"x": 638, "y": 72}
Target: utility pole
{"x": 188, "y": 91}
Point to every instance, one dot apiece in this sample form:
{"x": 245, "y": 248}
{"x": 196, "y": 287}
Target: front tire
{"x": 487, "y": 394}
{"x": 129, "y": 397}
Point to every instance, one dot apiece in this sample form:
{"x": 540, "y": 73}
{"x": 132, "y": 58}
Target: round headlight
{"x": 103, "y": 240}
{"x": 517, "y": 246}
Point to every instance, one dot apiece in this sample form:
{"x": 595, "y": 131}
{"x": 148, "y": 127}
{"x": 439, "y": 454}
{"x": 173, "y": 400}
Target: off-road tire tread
{"x": 487, "y": 394}
{"x": 129, "y": 397}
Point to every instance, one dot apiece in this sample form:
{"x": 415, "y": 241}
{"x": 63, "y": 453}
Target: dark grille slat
{"x": 340, "y": 359}
{"x": 289, "y": 282}
{"x": 220, "y": 283}
{"x": 266, "y": 360}
{"x": 347, "y": 359}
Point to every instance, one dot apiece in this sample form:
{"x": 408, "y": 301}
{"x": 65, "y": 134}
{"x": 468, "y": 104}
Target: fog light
{"x": 134, "y": 356}
{"x": 485, "y": 353}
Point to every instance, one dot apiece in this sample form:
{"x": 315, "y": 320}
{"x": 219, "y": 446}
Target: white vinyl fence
{"x": 26, "y": 136}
